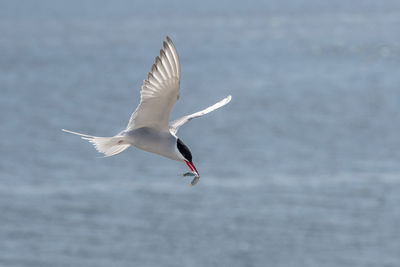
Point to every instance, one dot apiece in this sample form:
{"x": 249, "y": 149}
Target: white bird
{"x": 149, "y": 128}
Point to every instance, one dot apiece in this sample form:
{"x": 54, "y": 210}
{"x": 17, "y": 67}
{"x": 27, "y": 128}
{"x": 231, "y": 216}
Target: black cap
{"x": 184, "y": 150}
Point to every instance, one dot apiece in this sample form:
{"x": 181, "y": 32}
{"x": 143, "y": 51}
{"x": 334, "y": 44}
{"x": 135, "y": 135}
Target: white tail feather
{"x": 109, "y": 146}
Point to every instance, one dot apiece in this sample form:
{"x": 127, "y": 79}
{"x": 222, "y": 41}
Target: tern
{"x": 149, "y": 127}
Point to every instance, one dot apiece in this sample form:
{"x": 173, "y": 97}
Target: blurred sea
{"x": 300, "y": 169}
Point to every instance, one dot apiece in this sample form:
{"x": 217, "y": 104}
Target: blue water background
{"x": 300, "y": 169}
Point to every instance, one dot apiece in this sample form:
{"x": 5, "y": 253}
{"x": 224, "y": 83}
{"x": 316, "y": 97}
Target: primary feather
{"x": 174, "y": 125}
{"x": 159, "y": 92}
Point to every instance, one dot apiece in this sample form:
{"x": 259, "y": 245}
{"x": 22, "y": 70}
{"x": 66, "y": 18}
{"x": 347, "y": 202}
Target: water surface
{"x": 300, "y": 169}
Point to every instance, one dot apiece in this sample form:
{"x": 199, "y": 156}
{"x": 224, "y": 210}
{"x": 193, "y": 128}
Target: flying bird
{"x": 149, "y": 127}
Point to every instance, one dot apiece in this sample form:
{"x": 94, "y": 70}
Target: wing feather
{"x": 175, "y": 55}
{"x": 156, "y": 74}
{"x": 165, "y": 62}
{"x": 174, "y": 125}
{"x": 161, "y": 68}
{"x": 159, "y": 92}
{"x": 170, "y": 57}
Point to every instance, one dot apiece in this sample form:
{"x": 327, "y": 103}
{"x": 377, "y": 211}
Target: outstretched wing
{"x": 159, "y": 92}
{"x": 174, "y": 125}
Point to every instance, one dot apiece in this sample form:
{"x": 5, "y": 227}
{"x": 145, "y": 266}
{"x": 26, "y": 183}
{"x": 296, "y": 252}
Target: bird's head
{"x": 184, "y": 150}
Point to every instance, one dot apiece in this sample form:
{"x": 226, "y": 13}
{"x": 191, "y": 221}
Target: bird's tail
{"x": 109, "y": 146}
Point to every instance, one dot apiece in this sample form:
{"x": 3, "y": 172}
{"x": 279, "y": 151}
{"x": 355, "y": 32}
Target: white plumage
{"x": 149, "y": 127}
{"x": 159, "y": 92}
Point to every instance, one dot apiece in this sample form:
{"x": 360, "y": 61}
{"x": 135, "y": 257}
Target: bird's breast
{"x": 154, "y": 141}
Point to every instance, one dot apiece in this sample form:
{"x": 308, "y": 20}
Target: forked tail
{"x": 109, "y": 146}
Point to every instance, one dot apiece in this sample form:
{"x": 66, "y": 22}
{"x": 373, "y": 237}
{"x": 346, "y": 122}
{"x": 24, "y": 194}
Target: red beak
{"x": 192, "y": 167}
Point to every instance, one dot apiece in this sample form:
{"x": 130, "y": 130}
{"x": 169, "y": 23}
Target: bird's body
{"x": 149, "y": 128}
{"x": 154, "y": 141}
